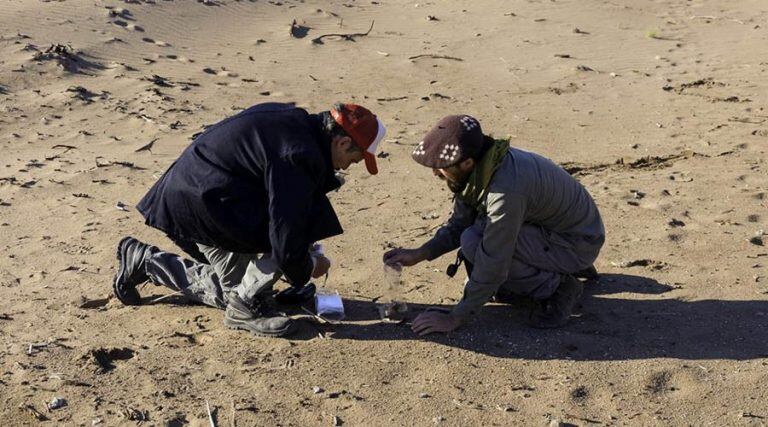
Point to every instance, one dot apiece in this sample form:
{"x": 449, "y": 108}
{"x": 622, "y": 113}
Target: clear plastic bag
{"x": 328, "y": 304}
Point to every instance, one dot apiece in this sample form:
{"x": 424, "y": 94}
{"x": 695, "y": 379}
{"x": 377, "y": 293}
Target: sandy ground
{"x": 658, "y": 107}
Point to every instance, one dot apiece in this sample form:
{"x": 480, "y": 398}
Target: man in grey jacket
{"x": 524, "y": 225}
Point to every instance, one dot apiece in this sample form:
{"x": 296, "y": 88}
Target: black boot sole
{"x": 116, "y": 286}
{"x": 241, "y": 326}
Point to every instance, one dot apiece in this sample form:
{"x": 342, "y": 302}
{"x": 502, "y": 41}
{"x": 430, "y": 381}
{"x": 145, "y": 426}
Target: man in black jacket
{"x": 247, "y": 200}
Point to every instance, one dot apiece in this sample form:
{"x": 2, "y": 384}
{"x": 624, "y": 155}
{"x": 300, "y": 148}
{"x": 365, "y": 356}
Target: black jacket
{"x": 253, "y": 183}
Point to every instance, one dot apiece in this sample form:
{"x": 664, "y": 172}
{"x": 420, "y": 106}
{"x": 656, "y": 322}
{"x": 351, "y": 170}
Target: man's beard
{"x": 457, "y": 187}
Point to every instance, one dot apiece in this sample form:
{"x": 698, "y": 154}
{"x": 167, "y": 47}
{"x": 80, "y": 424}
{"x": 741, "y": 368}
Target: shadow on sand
{"x": 604, "y": 327}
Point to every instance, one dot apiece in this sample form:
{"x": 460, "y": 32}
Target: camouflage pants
{"x": 211, "y": 283}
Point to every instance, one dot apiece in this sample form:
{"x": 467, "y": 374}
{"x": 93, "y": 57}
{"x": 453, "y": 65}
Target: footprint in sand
{"x": 132, "y": 27}
{"x": 179, "y": 58}
{"x": 222, "y": 73}
{"x": 121, "y": 66}
{"x": 660, "y": 383}
{"x": 119, "y": 12}
{"x": 156, "y": 42}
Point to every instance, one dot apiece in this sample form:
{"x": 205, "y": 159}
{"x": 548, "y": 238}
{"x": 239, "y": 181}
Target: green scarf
{"x": 477, "y": 185}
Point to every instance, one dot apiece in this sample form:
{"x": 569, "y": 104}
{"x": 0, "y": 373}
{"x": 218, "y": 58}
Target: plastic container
{"x": 393, "y": 309}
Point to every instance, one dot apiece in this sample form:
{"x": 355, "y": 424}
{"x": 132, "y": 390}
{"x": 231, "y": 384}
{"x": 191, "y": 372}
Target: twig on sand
{"x": 128, "y": 165}
{"x": 190, "y": 337}
{"x": 428, "y": 230}
{"x": 158, "y": 299}
{"x": 587, "y": 420}
{"x": 318, "y": 317}
{"x": 348, "y": 37}
{"x": 210, "y": 416}
{"x": 712, "y": 18}
{"x": 394, "y": 98}
{"x": 431, "y": 55}
{"x": 34, "y": 412}
{"x": 146, "y": 147}
{"x": 36, "y": 347}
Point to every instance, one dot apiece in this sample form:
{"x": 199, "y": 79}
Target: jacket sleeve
{"x": 448, "y": 237}
{"x": 291, "y": 193}
{"x": 493, "y": 258}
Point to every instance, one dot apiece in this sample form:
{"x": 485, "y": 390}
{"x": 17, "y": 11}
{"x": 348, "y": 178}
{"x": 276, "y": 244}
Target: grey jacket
{"x": 527, "y": 188}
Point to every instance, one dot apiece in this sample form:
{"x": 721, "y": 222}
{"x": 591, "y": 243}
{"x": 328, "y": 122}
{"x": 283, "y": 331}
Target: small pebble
{"x": 56, "y": 403}
{"x": 424, "y": 395}
{"x": 317, "y": 390}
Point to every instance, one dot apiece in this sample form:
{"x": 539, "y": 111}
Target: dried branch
{"x": 430, "y": 55}
{"x": 348, "y": 37}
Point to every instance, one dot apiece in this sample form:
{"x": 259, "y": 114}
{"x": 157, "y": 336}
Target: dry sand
{"x": 658, "y": 107}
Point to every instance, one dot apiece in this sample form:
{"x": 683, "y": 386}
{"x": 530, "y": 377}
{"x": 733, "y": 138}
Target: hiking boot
{"x": 131, "y": 256}
{"x": 555, "y": 311}
{"x": 257, "y": 319}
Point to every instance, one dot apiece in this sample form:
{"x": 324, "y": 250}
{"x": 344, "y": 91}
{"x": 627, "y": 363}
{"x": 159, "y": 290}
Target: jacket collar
{"x": 330, "y": 182}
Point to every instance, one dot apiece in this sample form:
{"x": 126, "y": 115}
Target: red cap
{"x": 364, "y": 127}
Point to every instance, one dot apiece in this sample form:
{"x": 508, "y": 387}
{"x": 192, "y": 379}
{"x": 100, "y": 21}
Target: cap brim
{"x": 423, "y": 160}
{"x": 370, "y": 163}
{"x": 432, "y": 162}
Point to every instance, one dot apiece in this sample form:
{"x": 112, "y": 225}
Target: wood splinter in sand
{"x": 431, "y": 55}
{"x": 349, "y": 37}
{"x": 39, "y": 416}
{"x": 210, "y": 415}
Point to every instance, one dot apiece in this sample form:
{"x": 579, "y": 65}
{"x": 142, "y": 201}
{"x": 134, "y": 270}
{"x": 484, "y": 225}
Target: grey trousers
{"x": 540, "y": 259}
{"x": 213, "y": 283}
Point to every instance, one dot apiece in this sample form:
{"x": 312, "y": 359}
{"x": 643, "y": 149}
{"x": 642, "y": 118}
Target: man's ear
{"x": 341, "y": 142}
